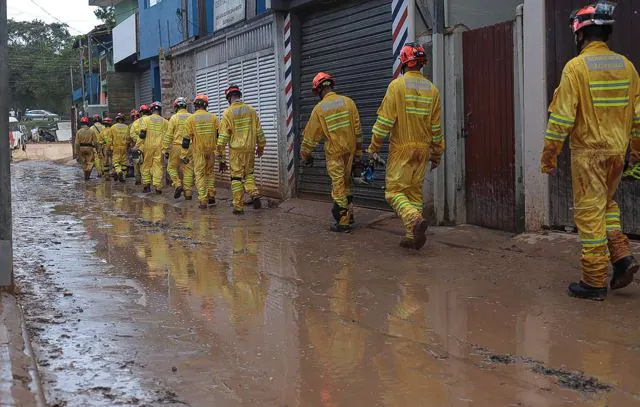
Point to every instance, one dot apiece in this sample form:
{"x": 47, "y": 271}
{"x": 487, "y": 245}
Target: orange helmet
{"x": 599, "y": 13}
{"x": 201, "y": 100}
{"x": 107, "y": 120}
{"x": 145, "y": 109}
{"x": 84, "y": 120}
{"x": 231, "y": 90}
{"x": 134, "y": 113}
{"x": 322, "y": 79}
{"x": 412, "y": 54}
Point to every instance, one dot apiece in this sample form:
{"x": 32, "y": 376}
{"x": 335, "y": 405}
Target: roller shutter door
{"x": 146, "y": 88}
{"x": 353, "y": 42}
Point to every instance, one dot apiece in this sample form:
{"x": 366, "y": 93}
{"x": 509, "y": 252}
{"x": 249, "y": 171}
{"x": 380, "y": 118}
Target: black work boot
{"x": 146, "y": 189}
{"x": 158, "y": 191}
{"x": 338, "y": 228}
{"x": 212, "y": 201}
{"x": 178, "y": 192}
{"x": 121, "y": 177}
{"x": 585, "y": 291}
{"x": 138, "y": 182}
{"x": 406, "y": 243}
{"x": 87, "y": 175}
{"x": 257, "y": 203}
{"x": 420, "y": 234}
{"x": 203, "y": 205}
{"x": 188, "y": 197}
{"x": 238, "y": 211}
{"x": 623, "y": 271}
{"x": 342, "y": 225}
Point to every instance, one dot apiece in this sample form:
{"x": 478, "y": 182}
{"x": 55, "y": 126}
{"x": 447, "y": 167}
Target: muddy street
{"x": 134, "y": 299}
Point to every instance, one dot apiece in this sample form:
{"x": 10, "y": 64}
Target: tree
{"x": 40, "y": 55}
{"x": 106, "y": 15}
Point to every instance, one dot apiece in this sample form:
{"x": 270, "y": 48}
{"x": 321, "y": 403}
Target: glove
{"x": 307, "y": 162}
{"x": 633, "y": 172}
{"x": 185, "y": 160}
{"x": 259, "y": 151}
{"x": 143, "y": 134}
{"x": 186, "y": 142}
{"x": 223, "y": 167}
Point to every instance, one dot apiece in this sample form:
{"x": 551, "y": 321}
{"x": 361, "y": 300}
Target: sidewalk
{"x": 19, "y": 379}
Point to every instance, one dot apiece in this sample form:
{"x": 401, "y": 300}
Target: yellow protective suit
{"x": 97, "y": 129}
{"x": 337, "y": 120}
{"x": 240, "y": 128}
{"x": 105, "y": 139}
{"x": 173, "y": 140}
{"x": 86, "y": 143}
{"x": 410, "y": 117}
{"x": 594, "y": 104}
{"x": 156, "y": 127}
{"x": 134, "y": 133}
{"x": 120, "y": 143}
{"x": 202, "y": 130}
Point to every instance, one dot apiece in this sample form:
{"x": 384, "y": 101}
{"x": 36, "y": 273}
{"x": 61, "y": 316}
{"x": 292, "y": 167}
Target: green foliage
{"x": 40, "y": 55}
{"x": 106, "y": 15}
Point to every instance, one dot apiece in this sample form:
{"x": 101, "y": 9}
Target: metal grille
{"x": 146, "y": 88}
{"x": 352, "y": 41}
{"x": 560, "y": 49}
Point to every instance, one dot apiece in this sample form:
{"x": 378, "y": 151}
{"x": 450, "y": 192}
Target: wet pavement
{"x": 143, "y": 300}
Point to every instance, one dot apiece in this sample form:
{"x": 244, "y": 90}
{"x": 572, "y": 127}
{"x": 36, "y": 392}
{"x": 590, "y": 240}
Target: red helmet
{"x": 96, "y": 118}
{"x": 412, "y": 54}
{"x": 180, "y": 103}
{"x": 201, "y": 100}
{"x": 134, "y": 113}
{"x": 120, "y": 117}
{"x": 322, "y": 79}
{"x": 145, "y": 109}
{"x": 599, "y": 13}
{"x": 156, "y": 106}
{"x": 231, "y": 90}
{"x": 107, "y": 120}
{"x": 84, "y": 120}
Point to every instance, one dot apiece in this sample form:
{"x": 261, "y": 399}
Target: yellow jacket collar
{"x": 328, "y": 94}
{"x": 594, "y": 45}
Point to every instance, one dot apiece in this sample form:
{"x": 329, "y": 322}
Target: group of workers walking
{"x": 597, "y": 103}
{"x": 190, "y": 143}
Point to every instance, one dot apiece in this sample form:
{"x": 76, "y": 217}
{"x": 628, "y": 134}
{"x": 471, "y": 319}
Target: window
{"x": 152, "y": 3}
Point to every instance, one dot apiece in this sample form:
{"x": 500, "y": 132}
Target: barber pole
{"x": 288, "y": 91}
{"x": 401, "y": 30}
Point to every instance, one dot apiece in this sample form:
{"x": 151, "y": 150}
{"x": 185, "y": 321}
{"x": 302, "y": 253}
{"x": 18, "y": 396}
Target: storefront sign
{"x": 227, "y": 12}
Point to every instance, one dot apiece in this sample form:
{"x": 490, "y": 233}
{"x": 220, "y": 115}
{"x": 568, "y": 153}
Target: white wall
{"x": 124, "y": 39}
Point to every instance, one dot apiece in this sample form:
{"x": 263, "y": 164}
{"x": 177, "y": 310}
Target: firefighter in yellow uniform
{"x": 105, "y": 140}
{"x": 595, "y": 103}
{"x": 240, "y": 128}
{"x": 152, "y": 131}
{"x": 98, "y": 128}
{"x": 173, "y": 140}
{"x": 134, "y": 133}
{"x": 86, "y": 143}
{"x": 200, "y": 142}
{"x": 120, "y": 143}
{"x": 410, "y": 117}
{"x": 335, "y": 118}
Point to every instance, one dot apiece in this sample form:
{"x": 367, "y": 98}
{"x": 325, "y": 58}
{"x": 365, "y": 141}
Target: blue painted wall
{"x": 194, "y": 26}
{"x": 153, "y": 32}
{"x": 261, "y": 6}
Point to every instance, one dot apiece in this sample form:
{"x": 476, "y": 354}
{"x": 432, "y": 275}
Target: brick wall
{"x": 178, "y": 78}
{"x": 122, "y": 92}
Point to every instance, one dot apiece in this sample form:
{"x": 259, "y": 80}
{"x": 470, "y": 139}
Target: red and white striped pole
{"x": 403, "y": 14}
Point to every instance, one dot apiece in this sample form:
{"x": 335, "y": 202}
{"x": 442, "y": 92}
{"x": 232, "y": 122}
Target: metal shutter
{"x": 353, "y": 43}
{"x": 146, "y": 88}
{"x": 257, "y": 79}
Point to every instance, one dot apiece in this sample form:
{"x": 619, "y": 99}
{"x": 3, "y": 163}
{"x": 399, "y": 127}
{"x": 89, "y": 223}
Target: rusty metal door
{"x": 560, "y": 49}
{"x": 490, "y": 126}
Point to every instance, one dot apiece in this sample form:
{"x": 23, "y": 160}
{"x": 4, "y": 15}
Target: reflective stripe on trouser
{"x": 595, "y": 179}
{"x": 242, "y": 164}
{"x": 203, "y": 167}
{"x": 339, "y": 169}
{"x": 175, "y": 165}
{"x": 86, "y": 158}
{"x": 119, "y": 159}
{"x": 405, "y": 175}
{"x": 151, "y": 167}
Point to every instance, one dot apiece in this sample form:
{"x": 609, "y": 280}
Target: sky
{"x": 76, "y": 13}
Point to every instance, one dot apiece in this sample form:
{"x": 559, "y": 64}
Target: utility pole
{"x": 6, "y": 238}
{"x": 90, "y": 69}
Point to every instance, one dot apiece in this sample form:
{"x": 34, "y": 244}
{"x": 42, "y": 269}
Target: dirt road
{"x": 142, "y": 300}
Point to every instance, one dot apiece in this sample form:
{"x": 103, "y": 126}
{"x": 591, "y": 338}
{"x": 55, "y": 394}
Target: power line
{"x": 54, "y": 17}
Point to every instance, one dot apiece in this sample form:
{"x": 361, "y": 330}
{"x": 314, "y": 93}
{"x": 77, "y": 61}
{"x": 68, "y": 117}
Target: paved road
{"x": 143, "y": 300}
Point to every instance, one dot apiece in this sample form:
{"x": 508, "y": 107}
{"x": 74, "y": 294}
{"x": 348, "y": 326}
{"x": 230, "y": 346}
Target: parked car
{"x": 16, "y": 134}
{"x": 41, "y": 115}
